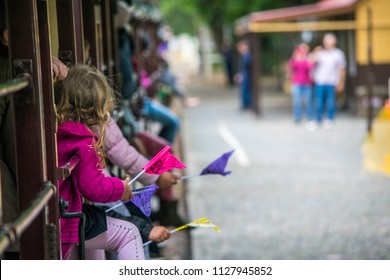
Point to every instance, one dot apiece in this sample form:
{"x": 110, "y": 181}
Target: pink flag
{"x": 162, "y": 162}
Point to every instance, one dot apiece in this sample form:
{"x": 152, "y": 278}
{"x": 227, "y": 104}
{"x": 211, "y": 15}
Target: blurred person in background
{"x": 300, "y": 67}
{"x": 329, "y": 77}
{"x": 244, "y": 77}
{"x": 228, "y": 55}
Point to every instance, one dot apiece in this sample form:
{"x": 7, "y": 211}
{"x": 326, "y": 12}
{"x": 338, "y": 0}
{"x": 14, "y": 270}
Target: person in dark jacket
{"x": 244, "y": 77}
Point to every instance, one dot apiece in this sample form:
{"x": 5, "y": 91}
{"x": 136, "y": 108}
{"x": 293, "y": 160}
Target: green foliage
{"x": 183, "y": 16}
{"x": 187, "y": 15}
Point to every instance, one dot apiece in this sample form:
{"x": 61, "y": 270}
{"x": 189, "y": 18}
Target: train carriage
{"x": 38, "y": 32}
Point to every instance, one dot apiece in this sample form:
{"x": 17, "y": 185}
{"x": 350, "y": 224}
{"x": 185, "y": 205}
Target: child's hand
{"x": 127, "y": 193}
{"x": 60, "y": 71}
{"x": 167, "y": 180}
{"x": 159, "y": 234}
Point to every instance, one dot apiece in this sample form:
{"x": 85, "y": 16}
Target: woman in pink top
{"x": 300, "y": 72}
{"x": 84, "y": 100}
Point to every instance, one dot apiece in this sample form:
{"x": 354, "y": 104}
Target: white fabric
{"x": 328, "y": 66}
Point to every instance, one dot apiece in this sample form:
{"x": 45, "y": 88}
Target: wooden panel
{"x": 70, "y": 31}
{"x": 93, "y": 31}
{"x": 29, "y": 130}
{"x": 108, "y": 60}
{"x": 50, "y": 124}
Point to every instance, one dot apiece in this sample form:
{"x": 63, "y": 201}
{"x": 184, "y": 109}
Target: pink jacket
{"x": 87, "y": 179}
{"x": 125, "y": 156}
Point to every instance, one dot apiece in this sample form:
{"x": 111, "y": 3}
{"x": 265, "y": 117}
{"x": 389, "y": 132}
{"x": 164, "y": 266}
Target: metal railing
{"x": 14, "y": 85}
{"x": 81, "y": 233}
{"x": 11, "y": 232}
{"x": 65, "y": 171}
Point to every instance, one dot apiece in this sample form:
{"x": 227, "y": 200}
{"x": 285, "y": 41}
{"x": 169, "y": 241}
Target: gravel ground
{"x": 301, "y": 195}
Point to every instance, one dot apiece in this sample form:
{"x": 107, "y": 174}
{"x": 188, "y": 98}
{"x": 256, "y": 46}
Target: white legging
{"x": 121, "y": 237}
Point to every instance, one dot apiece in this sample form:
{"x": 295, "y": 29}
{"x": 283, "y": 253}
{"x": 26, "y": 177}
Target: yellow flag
{"x": 202, "y": 222}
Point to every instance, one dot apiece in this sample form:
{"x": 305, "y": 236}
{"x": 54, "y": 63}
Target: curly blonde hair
{"x": 85, "y": 96}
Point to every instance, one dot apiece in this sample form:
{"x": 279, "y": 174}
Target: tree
{"x": 183, "y": 16}
{"x": 186, "y": 15}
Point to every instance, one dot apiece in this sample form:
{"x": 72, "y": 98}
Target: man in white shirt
{"x": 329, "y": 76}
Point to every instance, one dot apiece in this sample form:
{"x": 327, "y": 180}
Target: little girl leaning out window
{"x": 84, "y": 100}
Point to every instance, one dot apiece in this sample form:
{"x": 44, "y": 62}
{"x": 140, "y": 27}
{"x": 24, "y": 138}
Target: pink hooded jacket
{"x": 87, "y": 179}
{"x": 125, "y": 156}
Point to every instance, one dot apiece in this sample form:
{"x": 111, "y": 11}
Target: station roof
{"x": 322, "y": 8}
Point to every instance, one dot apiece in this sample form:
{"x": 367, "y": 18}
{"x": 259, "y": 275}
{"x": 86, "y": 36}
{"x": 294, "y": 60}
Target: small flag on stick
{"x": 163, "y": 162}
{"x": 216, "y": 167}
{"x": 142, "y": 199}
{"x": 202, "y": 222}
{"x": 160, "y": 163}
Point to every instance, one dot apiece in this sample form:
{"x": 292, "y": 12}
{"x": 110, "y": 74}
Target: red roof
{"x": 322, "y": 8}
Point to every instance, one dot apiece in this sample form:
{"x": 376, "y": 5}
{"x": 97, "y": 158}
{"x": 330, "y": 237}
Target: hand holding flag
{"x": 159, "y": 164}
{"x": 202, "y": 222}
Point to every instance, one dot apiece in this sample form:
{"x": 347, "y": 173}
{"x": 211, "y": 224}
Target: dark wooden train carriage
{"x": 38, "y": 30}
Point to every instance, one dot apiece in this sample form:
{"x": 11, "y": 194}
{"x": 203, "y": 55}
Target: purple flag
{"x": 142, "y": 198}
{"x": 218, "y": 166}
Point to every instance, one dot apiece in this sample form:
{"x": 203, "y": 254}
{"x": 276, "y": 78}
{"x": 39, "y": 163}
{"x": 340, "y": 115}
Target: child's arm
{"x": 167, "y": 180}
{"x": 122, "y": 154}
{"x": 89, "y": 178}
{"x": 136, "y": 217}
{"x": 146, "y": 228}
